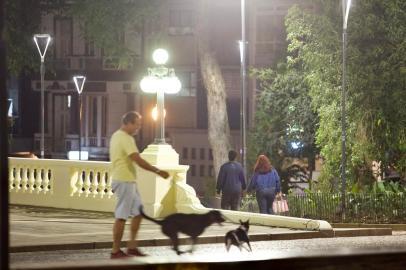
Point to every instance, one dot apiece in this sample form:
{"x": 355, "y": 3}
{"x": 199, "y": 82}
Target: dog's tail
{"x": 147, "y": 217}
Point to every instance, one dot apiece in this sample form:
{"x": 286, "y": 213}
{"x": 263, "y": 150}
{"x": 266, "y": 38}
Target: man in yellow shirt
{"x": 123, "y": 152}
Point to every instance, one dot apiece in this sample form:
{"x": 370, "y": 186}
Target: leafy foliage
{"x": 105, "y": 23}
{"x": 102, "y": 22}
{"x": 285, "y": 122}
{"x": 22, "y": 20}
{"x": 376, "y": 84}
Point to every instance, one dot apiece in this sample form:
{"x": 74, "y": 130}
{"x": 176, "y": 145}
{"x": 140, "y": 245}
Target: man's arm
{"x": 146, "y": 166}
{"x": 220, "y": 180}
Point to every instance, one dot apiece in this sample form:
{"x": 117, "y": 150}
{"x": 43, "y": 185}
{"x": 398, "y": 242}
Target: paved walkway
{"x": 36, "y": 229}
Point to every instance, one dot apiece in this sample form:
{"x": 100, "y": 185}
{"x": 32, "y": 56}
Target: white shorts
{"x": 128, "y": 199}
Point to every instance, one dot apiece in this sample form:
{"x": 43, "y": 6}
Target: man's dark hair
{"x": 130, "y": 117}
{"x": 232, "y": 155}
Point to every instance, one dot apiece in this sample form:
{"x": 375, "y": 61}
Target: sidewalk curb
{"x": 351, "y": 232}
{"x": 394, "y": 227}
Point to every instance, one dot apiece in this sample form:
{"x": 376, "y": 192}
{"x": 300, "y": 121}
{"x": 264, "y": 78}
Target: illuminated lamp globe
{"x": 149, "y": 84}
{"x": 173, "y": 85}
{"x": 160, "y": 56}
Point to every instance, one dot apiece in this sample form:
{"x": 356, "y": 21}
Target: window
{"x": 96, "y": 118}
{"x": 193, "y": 153}
{"x": 63, "y": 37}
{"x": 185, "y": 153}
{"x": 89, "y": 47}
{"x": 201, "y": 170}
{"x": 193, "y": 170}
{"x": 188, "y": 80}
{"x": 181, "y": 18}
{"x": 211, "y": 171}
{"x": 210, "y": 154}
{"x": 202, "y": 153}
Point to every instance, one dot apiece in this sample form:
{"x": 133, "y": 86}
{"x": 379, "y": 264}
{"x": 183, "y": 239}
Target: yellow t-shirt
{"x": 122, "y": 145}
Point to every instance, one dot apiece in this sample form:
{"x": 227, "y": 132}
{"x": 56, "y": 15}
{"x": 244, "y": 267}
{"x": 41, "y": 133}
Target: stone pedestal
{"x": 158, "y": 194}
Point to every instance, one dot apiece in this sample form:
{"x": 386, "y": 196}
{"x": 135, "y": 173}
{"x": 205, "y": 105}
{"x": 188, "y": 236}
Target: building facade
{"x": 110, "y": 91}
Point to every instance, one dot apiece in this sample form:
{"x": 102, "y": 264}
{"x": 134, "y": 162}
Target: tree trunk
{"x": 218, "y": 129}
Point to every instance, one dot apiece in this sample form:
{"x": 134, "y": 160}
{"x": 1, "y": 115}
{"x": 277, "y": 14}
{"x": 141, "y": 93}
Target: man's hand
{"x": 163, "y": 174}
{"x": 146, "y": 166}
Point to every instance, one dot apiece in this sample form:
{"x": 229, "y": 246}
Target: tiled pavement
{"x": 35, "y": 229}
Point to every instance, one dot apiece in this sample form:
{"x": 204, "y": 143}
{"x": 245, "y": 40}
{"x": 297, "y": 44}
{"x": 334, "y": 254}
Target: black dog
{"x": 192, "y": 225}
{"x": 238, "y": 237}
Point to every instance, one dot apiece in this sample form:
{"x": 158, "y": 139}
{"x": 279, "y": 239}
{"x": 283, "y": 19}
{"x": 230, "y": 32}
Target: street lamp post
{"x": 160, "y": 80}
{"x": 346, "y": 5}
{"x": 42, "y": 41}
{"x": 79, "y": 83}
{"x": 243, "y": 75}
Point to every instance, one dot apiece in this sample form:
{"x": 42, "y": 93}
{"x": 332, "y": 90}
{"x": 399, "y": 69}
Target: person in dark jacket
{"x": 231, "y": 182}
{"x": 266, "y": 183}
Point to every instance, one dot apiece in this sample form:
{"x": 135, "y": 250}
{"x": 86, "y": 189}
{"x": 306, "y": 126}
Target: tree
{"x": 22, "y": 20}
{"x": 285, "y": 122}
{"x": 376, "y": 94}
{"x": 104, "y": 22}
{"x": 218, "y": 130}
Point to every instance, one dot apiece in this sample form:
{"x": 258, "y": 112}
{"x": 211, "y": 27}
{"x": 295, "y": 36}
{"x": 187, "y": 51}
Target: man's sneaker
{"x": 135, "y": 252}
{"x": 118, "y": 255}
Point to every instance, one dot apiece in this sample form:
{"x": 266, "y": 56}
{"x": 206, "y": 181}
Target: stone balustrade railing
{"x": 61, "y": 183}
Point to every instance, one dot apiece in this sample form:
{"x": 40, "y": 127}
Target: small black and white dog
{"x": 238, "y": 236}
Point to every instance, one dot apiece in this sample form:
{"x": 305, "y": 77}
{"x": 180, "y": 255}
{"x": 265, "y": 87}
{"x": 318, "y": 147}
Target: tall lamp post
{"x": 243, "y": 75}
{"x": 79, "y": 83}
{"x": 346, "y": 5}
{"x": 160, "y": 80}
{"x": 42, "y": 41}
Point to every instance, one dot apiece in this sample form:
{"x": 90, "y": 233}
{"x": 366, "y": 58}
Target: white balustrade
{"x": 61, "y": 183}
{"x": 86, "y": 185}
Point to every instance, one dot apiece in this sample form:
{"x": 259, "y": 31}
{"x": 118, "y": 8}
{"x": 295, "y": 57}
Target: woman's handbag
{"x": 280, "y": 206}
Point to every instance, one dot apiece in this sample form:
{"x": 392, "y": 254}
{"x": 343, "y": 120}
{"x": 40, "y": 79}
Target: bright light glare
{"x": 10, "y": 108}
{"x": 168, "y": 85}
{"x": 296, "y": 145}
{"x": 160, "y": 56}
{"x": 149, "y": 84}
{"x": 172, "y": 85}
{"x": 241, "y": 46}
{"x": 347, "y": 11}
{"x": 74, "y": 155}
{"x": 154, "y": 113}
